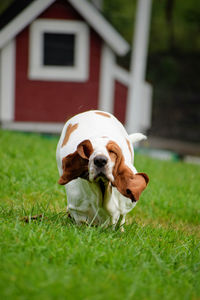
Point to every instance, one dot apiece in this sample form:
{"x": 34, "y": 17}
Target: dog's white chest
{"x": 86, "y": 204}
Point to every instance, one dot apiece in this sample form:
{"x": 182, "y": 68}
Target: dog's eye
{"x": 113, "y": 155}
{"x": 110, "y": 151}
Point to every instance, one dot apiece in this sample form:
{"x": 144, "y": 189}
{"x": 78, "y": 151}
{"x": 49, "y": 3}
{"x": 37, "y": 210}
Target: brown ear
{"x": 76, "y": 164}
{"x": 136, "y": 186}
{"x": 128, "y": 184}
{"x": 85, "y": 149}
{"x": 131, "y": 185}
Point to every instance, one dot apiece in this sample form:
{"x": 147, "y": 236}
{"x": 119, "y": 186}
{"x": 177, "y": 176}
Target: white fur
{"x": 84, "y": 197}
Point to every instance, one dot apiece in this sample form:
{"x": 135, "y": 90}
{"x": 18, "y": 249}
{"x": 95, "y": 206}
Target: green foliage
{"x": 121, "y": 14}
{"x": 174, "y": 23}
{"x": 156, "y": 258}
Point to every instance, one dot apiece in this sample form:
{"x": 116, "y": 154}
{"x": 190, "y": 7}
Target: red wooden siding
{"x": 49, "y": 101}
{"x": 120, "y": 98}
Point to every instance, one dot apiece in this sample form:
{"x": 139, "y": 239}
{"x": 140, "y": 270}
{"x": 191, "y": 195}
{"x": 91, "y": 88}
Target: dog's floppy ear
{"x": 85, "y": 149}
{"x": 128, "y": 184}
{"x": 76, "y": 164}
{"x": 136, "y": 185}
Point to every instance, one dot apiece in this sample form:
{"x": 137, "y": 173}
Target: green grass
{"x": 158, "y": 256}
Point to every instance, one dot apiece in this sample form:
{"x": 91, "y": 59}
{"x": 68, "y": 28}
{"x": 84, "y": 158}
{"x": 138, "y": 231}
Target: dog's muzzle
{"x": 100, "y": 161}
{"x": 100, "y": 167}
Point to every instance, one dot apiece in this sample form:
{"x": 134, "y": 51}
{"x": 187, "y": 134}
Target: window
{"x": 59, "y": 50}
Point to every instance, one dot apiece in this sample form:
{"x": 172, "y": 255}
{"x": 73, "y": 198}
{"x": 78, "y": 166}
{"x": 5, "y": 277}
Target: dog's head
{"x": 103, "y": 162}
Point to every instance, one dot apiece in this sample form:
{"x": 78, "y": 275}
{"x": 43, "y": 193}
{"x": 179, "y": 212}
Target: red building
{"x": 58, "y": 59}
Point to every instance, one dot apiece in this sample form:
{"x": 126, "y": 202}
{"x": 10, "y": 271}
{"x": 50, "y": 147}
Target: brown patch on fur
{"x": 76, "y": 164}
{"x": 129, "y": 147}
{"x": 128, "y": 184}
{"x": 103, "y": 114}
{"x": 70, "y": 129}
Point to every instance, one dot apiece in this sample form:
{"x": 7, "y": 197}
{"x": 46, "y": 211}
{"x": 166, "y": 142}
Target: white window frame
{"x": 39, "y": 71}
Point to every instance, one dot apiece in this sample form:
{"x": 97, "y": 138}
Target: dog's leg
{"x": 114, "y": 220}
{"x": 122, "y": 222}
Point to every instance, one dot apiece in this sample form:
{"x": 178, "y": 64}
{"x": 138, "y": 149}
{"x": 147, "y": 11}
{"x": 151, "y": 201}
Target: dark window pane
{"x": 58, "y": 49}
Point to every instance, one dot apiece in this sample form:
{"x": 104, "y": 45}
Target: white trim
{"x": 98, "y": 4}
{"x": 106, "y": 89}
{"x": 146, "y": 106}
{"x": 7, "y": 82}
{"x": 78, "y": 72}
{"x": 23, "y": 20}
{"x": 86, "y": 10}
{"x": 138, "y": 65}
{"x": 101, "y": 25}
{"x": 121, "y": 75}
{"x": 34, "y": 127}
{"x": 125, "y": 78}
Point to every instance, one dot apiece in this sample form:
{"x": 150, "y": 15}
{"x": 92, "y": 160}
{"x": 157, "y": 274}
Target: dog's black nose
{"x": 100, "y": 161}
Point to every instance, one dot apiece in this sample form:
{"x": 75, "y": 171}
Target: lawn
{"x": 158, "y": 256}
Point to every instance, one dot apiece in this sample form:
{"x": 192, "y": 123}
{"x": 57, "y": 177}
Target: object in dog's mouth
{"x": 102, "y": 180}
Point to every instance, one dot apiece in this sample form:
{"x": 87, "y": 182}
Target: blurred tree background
{"x": 173, "y": 61}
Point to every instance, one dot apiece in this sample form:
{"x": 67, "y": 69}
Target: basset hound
{"x": 95, "y": 162}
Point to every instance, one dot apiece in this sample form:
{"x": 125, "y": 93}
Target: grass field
{"x": 158, "y": 256}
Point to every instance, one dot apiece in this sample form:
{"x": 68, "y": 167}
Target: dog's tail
{"x": 137, "y": 137}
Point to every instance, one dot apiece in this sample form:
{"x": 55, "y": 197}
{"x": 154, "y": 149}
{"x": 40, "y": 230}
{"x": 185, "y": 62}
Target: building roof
{"x": 19, "y": 15}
